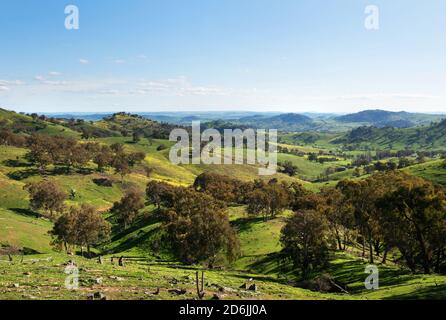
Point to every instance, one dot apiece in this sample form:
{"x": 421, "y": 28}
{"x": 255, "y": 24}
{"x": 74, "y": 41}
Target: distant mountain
{"x": 431, "y": 136}
{"x": 381, "y": 118}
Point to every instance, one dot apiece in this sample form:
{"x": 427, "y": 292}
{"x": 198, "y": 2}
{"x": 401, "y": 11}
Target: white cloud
{"x": 119, "y": 61}
{"x": 5, "y": 85}
{"x": 84, "y": 61}
{"x": 179, "y": 86}
{"x": 373, "y": 96}
{"x": 142, "y": 56}
{"x": 55, "y": 83}
{"x": 109, "y": 92}
{"x": 11, "y": 82}
{"x": 54, "y": 73}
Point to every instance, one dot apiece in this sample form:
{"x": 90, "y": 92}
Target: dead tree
{"x": 200, "y": 293}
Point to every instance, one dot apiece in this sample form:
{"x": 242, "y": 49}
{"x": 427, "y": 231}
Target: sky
{"x": 223, "y": 55}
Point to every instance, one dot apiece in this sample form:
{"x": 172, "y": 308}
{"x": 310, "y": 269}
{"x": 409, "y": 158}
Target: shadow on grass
{"x": 349, "y": 272}
{"x": 273, "y": 263}
{"x": 23, "y": 174}
{"x": 264, "y": 278}
{"x": 426, "y": 293}
{"x": 16, "y": 163}
{"x": 31, "y": 172}
{"x": 25, "y": 212}
{"x": 133, "y": 241}
{"x": 138, "y": 239}
{"x": 245, "y": 224}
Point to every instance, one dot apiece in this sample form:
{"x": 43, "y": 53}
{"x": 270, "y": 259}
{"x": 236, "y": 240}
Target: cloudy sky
{"x": 261, "y": 55}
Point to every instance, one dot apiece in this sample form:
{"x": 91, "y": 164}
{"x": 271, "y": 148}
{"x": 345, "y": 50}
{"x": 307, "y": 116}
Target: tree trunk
{"x": 371, "y": 252}
{"x": 438, "y": 262}
{"x": 377, "y": 247}
{"x": 386, "y": 250}
{"x": 409, "y": 260}
{"x": 338, "y": 238}
{"x": 424, "y": 252}
{"x": 363, "y": 246}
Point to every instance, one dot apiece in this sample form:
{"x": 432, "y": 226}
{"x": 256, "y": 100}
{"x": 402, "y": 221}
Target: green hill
{"x": 381, "y": 118}
{"x": 424, "y": 137}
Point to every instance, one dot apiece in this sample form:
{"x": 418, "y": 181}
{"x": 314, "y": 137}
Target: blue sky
{"x": 260, "y": 55}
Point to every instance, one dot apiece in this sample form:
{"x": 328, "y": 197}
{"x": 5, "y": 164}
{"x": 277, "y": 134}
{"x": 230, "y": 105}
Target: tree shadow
{"x": 16, "y": 163}
{"x": 20, "y": 175}
{"x": 273, "y": 263}
{"x": 347, "y": 273}
{"x": 245, "y": 224}
{"x": 25, "y": 212}
{"x": 437, "y": 292}
{"x": 23, "y": 174}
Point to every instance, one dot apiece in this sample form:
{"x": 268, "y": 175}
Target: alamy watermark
{"x": 372, "y": 280}
{"x": 72, "y": 17}
{"x": 372, "y": 19}
{"x": 72, "y": 278}
{"x": 254, "y": 147}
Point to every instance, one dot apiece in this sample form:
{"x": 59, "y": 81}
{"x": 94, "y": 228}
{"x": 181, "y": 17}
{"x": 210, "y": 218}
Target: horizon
{"x": 296, "y": 56}
{"x": 208, "y": 111}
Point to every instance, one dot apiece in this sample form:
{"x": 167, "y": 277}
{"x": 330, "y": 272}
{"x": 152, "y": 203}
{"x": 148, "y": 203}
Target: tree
{"x": 339, "y": 215}
{"x": 136, "y": 158}
{"x": 117, "y": 148}
{"x": 40, "y": 151}
{"x": 160, "y": 194}
{"x": 80, "y": 155}
{"x": 103, "y": 157}
{"x": 8, "y": 138}
{"x": 220, "y": 187}
{"x": 289, "y": 168}
{"x": 46, "y": 195}
{"x": 64, "y": 230}
{"x": 413, "y": 220}
{"x": 305, "y": 241}
{"x": 127, "y": 209}
{"x": 121, "y": 165}
{"x": 268, "y": 200}
{"x": 82, "y": 226}
{"x": 362, "y": 196}
{"x": 199, "y": 228}
{"x": 136, "y": 136}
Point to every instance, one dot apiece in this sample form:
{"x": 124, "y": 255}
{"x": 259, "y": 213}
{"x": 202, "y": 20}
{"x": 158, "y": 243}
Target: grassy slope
{"x": 259, "y": 243}
{"x": 431, "y": 170}
{"x": 20, "y": 229}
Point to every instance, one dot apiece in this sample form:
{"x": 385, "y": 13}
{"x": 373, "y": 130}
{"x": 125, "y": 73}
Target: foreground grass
{"x": 43, "y": 277}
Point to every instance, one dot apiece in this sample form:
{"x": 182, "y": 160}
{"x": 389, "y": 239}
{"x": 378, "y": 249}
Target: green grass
{"x": 22, "y": 229}
{"x": 432, "y": 170}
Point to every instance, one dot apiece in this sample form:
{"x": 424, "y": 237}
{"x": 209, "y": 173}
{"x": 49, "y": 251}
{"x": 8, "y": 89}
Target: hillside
{"x": 381, "y": 118}
{"x": 425, "y": 137}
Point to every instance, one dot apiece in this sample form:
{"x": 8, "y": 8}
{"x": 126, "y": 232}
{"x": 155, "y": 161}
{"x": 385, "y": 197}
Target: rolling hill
{"x": 381, "y": 118}
{"x": 424, "y": 137}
